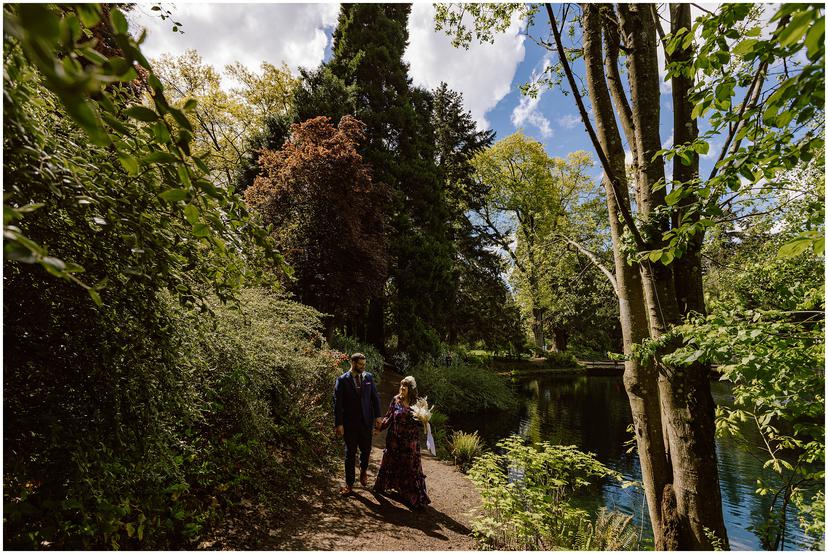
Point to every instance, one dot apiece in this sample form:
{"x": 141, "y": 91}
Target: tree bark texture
{"x": 687, "y": 268}
{"x": 672, "y": 408}
{"x": 640, "y": 380}
{"x": 687, "y": 404}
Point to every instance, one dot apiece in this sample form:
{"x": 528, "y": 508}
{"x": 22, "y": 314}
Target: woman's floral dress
{"x": 401, "y": 468}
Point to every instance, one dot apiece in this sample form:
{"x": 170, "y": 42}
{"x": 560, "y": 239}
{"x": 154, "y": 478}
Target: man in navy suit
{"x": 356, "y": 412}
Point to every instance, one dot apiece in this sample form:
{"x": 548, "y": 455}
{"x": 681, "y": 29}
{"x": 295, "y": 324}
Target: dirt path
{"x": 325, "y": 521}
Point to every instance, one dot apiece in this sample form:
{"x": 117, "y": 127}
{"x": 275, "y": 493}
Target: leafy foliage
{"x": 224, "y": 122}
{"x": 611, "y": 531}
{"x": 461, "y": 388}
{"x": 332, "y": 235}
{"x": 374, "y": 361}
{"x": 774, "y": 127}
{"x": 141, "y": 152}
{"x": 129, "y": 415}
{"x": 527, "y": 492}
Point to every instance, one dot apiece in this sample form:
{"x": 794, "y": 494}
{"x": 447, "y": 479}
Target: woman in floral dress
{"x": 401, "y": 468}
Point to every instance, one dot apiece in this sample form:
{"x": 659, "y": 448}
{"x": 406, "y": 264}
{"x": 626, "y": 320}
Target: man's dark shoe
{"x": 346, "y": 491}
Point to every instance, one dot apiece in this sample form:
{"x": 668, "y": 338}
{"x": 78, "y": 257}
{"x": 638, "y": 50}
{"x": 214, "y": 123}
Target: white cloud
{"x": 569, "y": 121}
{"x": 527, "y": 109}
{"x": 483, "y": 73}
{"x": 249, "y": 33}
{"x": 527, "y": 112}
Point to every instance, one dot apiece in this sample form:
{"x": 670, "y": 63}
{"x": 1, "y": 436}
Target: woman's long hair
{"x": 411, "y": 383}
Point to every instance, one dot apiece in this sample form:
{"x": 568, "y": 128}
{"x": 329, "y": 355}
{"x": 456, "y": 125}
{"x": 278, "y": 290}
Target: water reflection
{"x": 593, "y": 413}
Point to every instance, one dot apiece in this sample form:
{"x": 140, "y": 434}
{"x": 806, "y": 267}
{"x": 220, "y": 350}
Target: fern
{"x": 611, "y": 531}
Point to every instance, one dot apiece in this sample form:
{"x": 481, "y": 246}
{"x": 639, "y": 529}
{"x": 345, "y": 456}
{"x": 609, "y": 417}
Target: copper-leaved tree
{"x": 325, "y": 209}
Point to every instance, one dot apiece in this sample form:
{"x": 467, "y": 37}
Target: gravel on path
{"x": 323, "y": 520}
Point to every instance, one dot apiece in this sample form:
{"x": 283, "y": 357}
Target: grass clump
{"x": 464, "y": 448}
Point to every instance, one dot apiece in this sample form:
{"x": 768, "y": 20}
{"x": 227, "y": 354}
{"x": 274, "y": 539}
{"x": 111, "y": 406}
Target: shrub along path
{"x": 323, "y": 520}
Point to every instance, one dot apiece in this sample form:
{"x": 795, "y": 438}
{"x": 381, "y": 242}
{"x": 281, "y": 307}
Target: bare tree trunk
{"x": 640, "y": 380}
{"x": 685, "y": 392}
{"x": 537, "y": 329}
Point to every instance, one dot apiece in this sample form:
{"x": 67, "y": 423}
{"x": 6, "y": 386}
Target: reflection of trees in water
{"x": 593, "y": 413}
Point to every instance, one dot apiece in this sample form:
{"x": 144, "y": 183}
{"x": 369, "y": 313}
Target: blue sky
{"x": 489, "y": 76}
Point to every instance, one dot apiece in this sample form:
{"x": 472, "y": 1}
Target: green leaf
{"x": 745, "y": 47}
{"x": 655, "y": 255}
{"x": 674, "y": 196}
{"x": 174, "y": 195}
{"x": 815, "y": 39}
{"x": 119, "y": 22}
{"x": 667, "y": 257}
{"x": 181, "y": 119}
{"x": 141, "y": 113}
{"x": 160, "y": 157}
{"x": 201, "y": 230}
{"x": 191, "y": 214}
{"x": 161, "y": 133}
{"x": 40, "y": 20}
{"x": 93, "y": 56}
{"x": 129, "y": 163}
{"x": 201, "y": 165}
{"x": 96, "y": 297}
{"x": 795, "y": 247}
{"x": 190, "y": 104}
{"x": 795, "y": 29}
{"x": 89, "y": 14}
{"x": 701, "y": 147}
{"x": 13, "y": 250}
{"x": 184, "y": 175}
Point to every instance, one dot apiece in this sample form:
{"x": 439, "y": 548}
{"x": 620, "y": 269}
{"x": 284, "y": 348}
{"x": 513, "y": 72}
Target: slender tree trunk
{"x": 687, "y": 268}
{"x": 640, "y": 380}
{"x": 685, "y": 392}
{"x": 537, "y": 329}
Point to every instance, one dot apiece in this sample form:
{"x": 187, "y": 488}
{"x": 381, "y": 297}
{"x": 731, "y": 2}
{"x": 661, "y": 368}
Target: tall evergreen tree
{"x": 369, "y": 44}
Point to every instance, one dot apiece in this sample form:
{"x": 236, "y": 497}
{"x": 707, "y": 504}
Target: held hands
{"x": 340, "y": 430}
{"x": 377, "y": 425}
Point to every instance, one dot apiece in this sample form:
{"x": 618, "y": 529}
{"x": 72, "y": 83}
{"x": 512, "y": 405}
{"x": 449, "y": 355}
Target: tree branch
{"x": 613, "y": 179}
{"x": 751, "y": 97}
{"x": 594, "y": 259}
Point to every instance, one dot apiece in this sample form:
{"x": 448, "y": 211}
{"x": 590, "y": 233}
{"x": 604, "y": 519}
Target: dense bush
{"x": 464, "y": 388}
{"x": 561, "y": 360}
{"x": 374, "y": 362}
{"x": 130, "y": 418}
{"x": 527, "y": 492}
{"x": 214, "y": 410}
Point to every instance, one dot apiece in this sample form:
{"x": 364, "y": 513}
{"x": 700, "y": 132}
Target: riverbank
{"x": 541, "y": 365}
{"x": 323, "y": 520}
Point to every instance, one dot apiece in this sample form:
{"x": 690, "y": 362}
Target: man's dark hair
{"x": 356, "y": 356}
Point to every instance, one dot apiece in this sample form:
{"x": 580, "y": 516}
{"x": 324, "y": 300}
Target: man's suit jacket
{"x": 351, "y": 409}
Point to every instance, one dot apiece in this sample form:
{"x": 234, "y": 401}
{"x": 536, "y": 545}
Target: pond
{"x": 593, "y": 413}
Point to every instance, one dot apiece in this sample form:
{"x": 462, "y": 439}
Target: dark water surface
{"x": 593, "y": 413}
